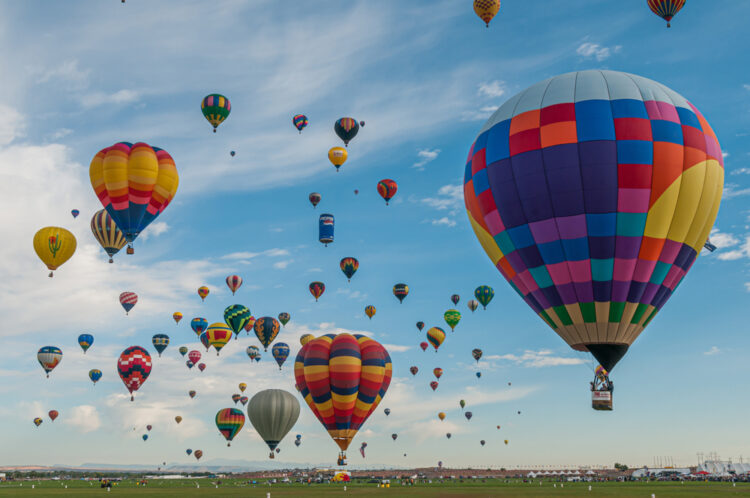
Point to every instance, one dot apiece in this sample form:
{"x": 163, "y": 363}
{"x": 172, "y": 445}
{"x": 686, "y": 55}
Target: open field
{"x": 233, "y": 487}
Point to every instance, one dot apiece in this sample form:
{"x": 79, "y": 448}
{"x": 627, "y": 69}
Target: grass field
{"x": 230, "y": 487}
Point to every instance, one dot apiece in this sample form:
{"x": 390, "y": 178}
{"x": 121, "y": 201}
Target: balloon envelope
{"x": 54, "y": 246}
{"x": 273, "y": 413}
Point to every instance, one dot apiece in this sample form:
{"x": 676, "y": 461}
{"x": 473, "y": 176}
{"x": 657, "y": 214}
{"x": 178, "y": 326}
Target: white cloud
{"x": 445, "y": 221}
{"x": 246, "y": 255}
{"x": 746, "y": 86}
{"x": 11, "y": 126}
{"x": 732, "y": 190}
{"x": 449, "y": 197}
{"x": 85, "y": 418}
{"x": 537, "y": 359}
{"x": 492, "y": 89}
{"x": 594, "y": 50}
{"x": 395, "y": 348}
{"x": 153, "y": 230}
{"x": 714, "y": 350}
{"x": 741, "y": 171}
{"x": 722, "y": 240}
{"x": 96, "y": 99}
{"x": 484, "y": 112}
{"x": 281, "y": 265}
{"x": 724, "y": 154}
{"x": 425, "y": 156}
{"x": 61, "y": 133}
{"x": 68, "y": 73}
{"x": 315, "y": 270}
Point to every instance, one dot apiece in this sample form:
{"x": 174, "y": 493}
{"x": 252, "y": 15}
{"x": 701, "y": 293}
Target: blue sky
{"x": 80, "y": 76}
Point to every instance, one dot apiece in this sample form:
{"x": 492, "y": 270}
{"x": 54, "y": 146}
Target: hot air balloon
{"x": 107, "y": 234}
{"x": 297, "y": 442}
{"x": 215, "y": 109}
{"x": 284, "y": 318}
{"x": 400, "y": 291}
{"x": 473, "y": 304}
{"x": 244, "y": 400}
{"x": 53, "y": 414}
{"x": 481, "y": 442}
{"x": 178, "y": 419}
{"x": 85, "y": 341}
{"x": 317, "y": 289}
{"x": 204, "y": 340}
{"x": 498, "y": 427}
{"x": 95, "y": 374}
{"x": 343, "y": 378}
{"x": 194, "y": 356}
{"x": 234, "y": 282}
{"x": 191, "y": 394}
{"x": 160, "y": 342}
{"x": 250, "y": 324}
{"x": 387, "y": 189}
{"x": 266, "y": 330}
{"x": 666, "y": 9}
{"x": 242, "y": 387}
{"x": 362, "y": 449}
{"x": 218, "y": 335}
{"x": 452, "y": 317}
{"x": 201, "y": 366}
{"x": 128, "y": 300}
{"x": 486, "y": 9}
{"x": 484, "y": 295}
{"x": 54, "y": 246}
{"x": 38, "y": 421}
{"x": 605, "y": 245}
{"x": 314, "y": 198}
{"x": 134, "y": 367}
{"x": 337, "y": 156}
{"x": 300, "y": 121}
{"x": 236, "y": 398}
{"x": 135, "y": 183}
{"x": 349, "y": 266}
{"x": 49, "y": 357}
{"x": 325, "y": 229}
{"x": 229, "y": 421}
{"x": 346, "y": 129}
{"x": 305, "y": 338}
{"x": 441, "y": 416}
{"x": 414, "y": 370}
{"x": 273, "y": 413}
{"x": 236, "y": 316}
{"x": 455, "y": 298}
{"x": 232, "y": 153}
{"x": 356, "y": 191}
{"x": 188, "y": 451}
{"x": 506, "y": 442}
{"x": 420, "y": 326}
{"x": 468, "y": 415}
{"x": 448, "y": 435}
{"x": 370, "y": 311}
{"x": 252, "y": 352}
{"x": 394, "y": 436}
{"x": 436, "y": 336}
{"x": 423, "y": 345}
{"x": 75, "y": 213}
{"x": 462, "y": 403}
{"x": 176, "y": 316}
{"x": 437, "y": 372}
{"x": 203, "y": 292}
{"x": 199, "y": 325}
{"x": 149, "y": 427}
{"x": 479, "y": 375}
{"x": 190, "y": 364}
{"x": 476, "y": 353}
{"x": 387, "y": 411}
{"x": 145, "y": 437}
{"x": 434, "y": 385}
{"x": 280, "y": 352}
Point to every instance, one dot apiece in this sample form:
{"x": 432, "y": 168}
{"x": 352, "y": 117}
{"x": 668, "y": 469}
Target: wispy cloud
{"x": 732, "y": 190}
{"x": 449, "y": 197}
{"x": 85, "y": 418}
{"x": 154, "y": 230}
{"x": 740, "y": 171}
{"x": 538, "y": 359}
{"x": 746, "y": 86}
{"x": 281, "y": 265}
{"x": 738, "y": 248}
{"x": 492, "y": 89}
{"x": 425, "y": 156}
{"x": 714, "y": 350}
{"x": 120, "y": 97}
{"x": 590, "y": 50}
{"x": 484, "y": 112}
{"x": 66, "y": 74}
{"x": 445, "y": 221}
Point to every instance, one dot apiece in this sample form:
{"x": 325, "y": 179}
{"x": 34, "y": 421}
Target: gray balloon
{"x": 273, "y": 413}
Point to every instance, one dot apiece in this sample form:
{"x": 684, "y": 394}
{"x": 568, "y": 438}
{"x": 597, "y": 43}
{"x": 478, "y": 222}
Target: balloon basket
{"x": 601, "y": 400}
{"x": 130, "y": 250}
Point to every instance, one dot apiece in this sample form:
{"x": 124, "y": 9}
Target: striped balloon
{"x": 236, "y": 316}
{"x": 49, "y": 357}
{"x": 160, "y": 342}
{"x": 387, "y": 188}
{"x": 280, "y": 352}
{"x": 85, "y": 341}
{"x": 317, "y": 289}
{"x": 346, "y": 129}
{"x": 666, "y": 9}
{"x": 107, "y": 234}
{"x": 436, "y": 336}
{"x": 128, "y": 300}
{"x": 134, "y": 367}
{"x": 266, "y": 329}
{"x": 204, "y": 340}
{"x": 230, "y": 421}
{"x": 176, "y": 316}
{"x": 203, "y": 292}
{"x": 234, "y": 282}
{"x": 199, "y": 325}
{"x": 349, "y": 266}
{"x": 218, "y": 335}
{"x": 215, "y": 109}
{"x": 400, "y": 291}
{"x": 300, "y": 121}
{"x": 249, "y": 324}
{"x": 343, "y": 379}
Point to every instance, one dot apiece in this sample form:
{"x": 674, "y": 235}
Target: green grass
{"x": 234, "y": 487}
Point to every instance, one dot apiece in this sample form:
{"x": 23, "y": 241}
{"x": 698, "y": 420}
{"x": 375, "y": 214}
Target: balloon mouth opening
{"x": 607, "y": 354}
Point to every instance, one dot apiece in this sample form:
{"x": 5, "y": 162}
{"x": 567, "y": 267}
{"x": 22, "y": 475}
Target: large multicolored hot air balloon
{"x": 486, "y": 9}
{"x": 176, "y": 316}
{"x": 592, "y": 193}
{"x": 346, "y": 129}
{"x": 317, "y": 289}
{"x": 484, "y": 294}
{"x": 230, "y": 422}
{"x": 95, "y": 374}
{"x": 314, "y": 198}
{"x": 85, "y": 341}
{"x": 49, "y": 357}
{"x": 54, "y": 246}
{"x": 300, "y": 121}
{"x": 436, "y": 336}
{"x": 452, "y": 317}
{"x": 337, "y": 156}
{"x": 370, "y": 311}
{"x": 349, "y": 266}
{"x": 387, "y": 189}
{"x": 284, "y": 318}
{"x": 234, "y": 282}
{"x": 325, "y": 229}
{"x": 343, "y": 379}
{"x": 215, "y": 109}
{"x": 134, "y": 367}
{"x": 273, "y": 413}
{"x": 666, "y": 9}
{"x": 236, "y": 316}
{"x": 400, "y": 291}
{"x": 107, "y": 234}
{"x": 128, "y": 300}
{"x": 199, "y": 325}
{"x": 160, "y": 342}
{"x": 218, "y": 335}
{"x": 135, "y": 183}
{"x": 266, "y": 329}
{"x": 280, "y": 352}
{"x": 203, "y": 292}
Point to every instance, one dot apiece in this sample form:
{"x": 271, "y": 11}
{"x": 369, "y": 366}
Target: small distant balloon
{"x": 300, "y": 121}
{"x": 314, "y": 198}
{"x": 176, "y": 316}
{"x": 203, "y": 292}
{"x": 75, "y": 213}
{"x": 337, "y": 156}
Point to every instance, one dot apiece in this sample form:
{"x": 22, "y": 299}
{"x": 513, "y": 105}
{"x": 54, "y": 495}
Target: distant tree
{"x": 621, "y": 467}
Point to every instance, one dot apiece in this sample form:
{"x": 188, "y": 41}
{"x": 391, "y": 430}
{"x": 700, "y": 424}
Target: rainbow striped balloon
{"x": 230, "y": 421}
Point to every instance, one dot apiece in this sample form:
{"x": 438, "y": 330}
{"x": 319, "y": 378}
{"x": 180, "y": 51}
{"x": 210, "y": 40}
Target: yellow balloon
{"x": 242, "y": 387}
{"x": 337, "y": 156}
{"x": 486, "y": 9}
{"x": 178, "y": 419}
{"x": 306, "y": 338}
{"x": 54, "y": 246}
{"x": 441, "y": 416}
